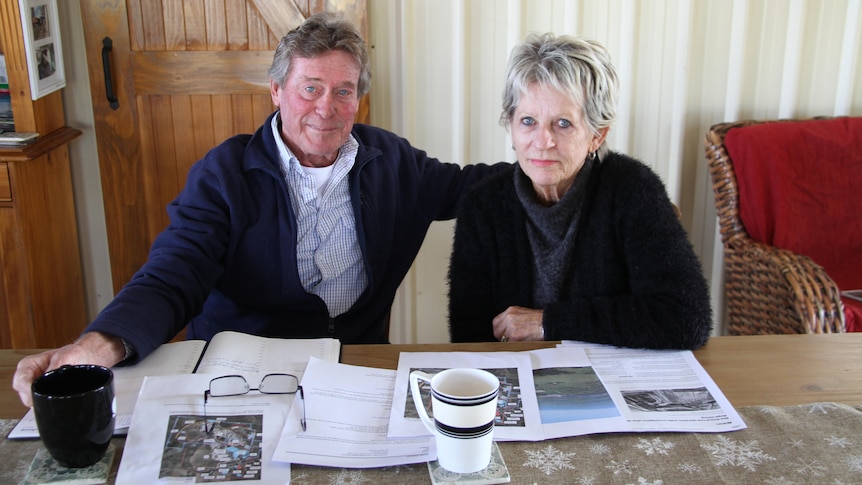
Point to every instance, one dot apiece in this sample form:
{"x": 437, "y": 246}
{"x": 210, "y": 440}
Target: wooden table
{"x": 764, "y": 377}
{"x": 775, "y": 370}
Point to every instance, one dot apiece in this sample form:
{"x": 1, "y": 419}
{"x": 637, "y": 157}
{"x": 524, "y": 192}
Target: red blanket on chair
{"x": 800, "y": 188}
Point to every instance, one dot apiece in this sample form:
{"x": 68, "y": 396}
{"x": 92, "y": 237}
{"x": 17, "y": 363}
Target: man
{"x": 304, "y": 229}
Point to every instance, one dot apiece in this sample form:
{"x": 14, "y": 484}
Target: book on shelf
{"x": 4, "y": 78}
{"x": 227, "y": 352}
{"x": 15, "y": 138}
{"x": 7, "y": 123}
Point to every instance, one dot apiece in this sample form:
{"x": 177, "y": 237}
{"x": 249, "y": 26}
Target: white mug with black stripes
{"x": 464, "y": 405}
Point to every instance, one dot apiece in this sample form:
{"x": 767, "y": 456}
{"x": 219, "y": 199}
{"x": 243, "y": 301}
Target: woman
{"x": 574, "y": 241}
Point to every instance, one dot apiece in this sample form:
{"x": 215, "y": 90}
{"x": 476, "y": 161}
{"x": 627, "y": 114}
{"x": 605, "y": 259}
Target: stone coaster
{"x": 495, "y": 472}
{"x": 44, "y": 469}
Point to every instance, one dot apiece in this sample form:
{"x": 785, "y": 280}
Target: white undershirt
{"x": 321, "y": 176}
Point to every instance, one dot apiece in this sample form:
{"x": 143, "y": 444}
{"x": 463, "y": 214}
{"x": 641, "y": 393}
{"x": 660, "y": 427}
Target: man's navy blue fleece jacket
{"x": 227, "y": 261}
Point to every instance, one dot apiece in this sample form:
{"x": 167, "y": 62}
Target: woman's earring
{"x": 592, "y": 155}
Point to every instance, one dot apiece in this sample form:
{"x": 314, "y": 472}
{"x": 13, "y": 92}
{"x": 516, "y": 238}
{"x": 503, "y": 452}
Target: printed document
{"x": 347, "y": 409}
{"x": 173, "y": 439}
{"x": 577, "y": 390}
{"x": 661, "y": 390}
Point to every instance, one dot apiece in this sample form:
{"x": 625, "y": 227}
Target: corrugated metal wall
{"x": 684, "y": 65}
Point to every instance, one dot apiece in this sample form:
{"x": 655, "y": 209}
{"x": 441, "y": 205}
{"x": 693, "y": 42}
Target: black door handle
{"x": 107, "y": 45}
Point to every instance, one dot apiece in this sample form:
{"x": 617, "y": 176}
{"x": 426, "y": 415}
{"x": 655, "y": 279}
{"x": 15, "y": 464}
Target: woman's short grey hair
{"x": 319, "y": 34}
{"x": 579, "y": 67}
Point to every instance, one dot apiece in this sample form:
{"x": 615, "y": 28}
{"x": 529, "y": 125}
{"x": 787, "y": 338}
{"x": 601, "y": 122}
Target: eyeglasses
{"x": 236, "y": 385}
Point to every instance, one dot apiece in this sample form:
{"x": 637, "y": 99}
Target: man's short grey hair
{"x": 319, "y": 34}
{"x": 578, "y": 67}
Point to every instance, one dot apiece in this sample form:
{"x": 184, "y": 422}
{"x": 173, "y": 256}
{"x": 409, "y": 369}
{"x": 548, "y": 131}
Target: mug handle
{"x": 417, "y": 398}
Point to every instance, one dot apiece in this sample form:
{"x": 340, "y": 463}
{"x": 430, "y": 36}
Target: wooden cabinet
{"x": 41, "y": 290}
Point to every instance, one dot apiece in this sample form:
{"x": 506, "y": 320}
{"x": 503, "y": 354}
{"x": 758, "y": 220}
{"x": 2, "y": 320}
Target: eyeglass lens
{"x": 228, "y": 386}
{"x": 237, "y": 385}
{"x": 278, "y": 384}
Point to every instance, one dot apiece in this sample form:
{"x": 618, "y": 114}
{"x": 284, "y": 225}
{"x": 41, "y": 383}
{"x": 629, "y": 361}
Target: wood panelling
{"x": 41, "y": 289}
{"x": 5, "y": 187}
{"x": 15, "y": 315}
{"x": 42, "y": 293}
{"x": 207, "y": 72}
{"x": 49, "y": 238}
{"x": 281, "y": 15}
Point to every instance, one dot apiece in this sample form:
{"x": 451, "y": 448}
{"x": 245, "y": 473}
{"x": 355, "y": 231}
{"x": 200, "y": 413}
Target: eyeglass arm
{"x": 302, "y": 397}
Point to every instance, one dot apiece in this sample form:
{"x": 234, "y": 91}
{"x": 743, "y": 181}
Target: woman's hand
{"x": 519, "y": 323}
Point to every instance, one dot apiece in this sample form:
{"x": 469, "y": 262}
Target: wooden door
{"x": 185, "y": 75}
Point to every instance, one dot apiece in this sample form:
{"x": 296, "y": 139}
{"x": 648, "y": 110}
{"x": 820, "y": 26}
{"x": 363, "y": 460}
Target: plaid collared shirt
{"x": 327, "y": 252}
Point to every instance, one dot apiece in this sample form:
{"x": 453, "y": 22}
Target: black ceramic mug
{"x": 75, "y": 411}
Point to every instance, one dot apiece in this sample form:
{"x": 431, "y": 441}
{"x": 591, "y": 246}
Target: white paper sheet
{"x": 234, "y": 352}
{"x": 167, "y": 445}
{"x": 347, "y": 410}
{"x": 575, "y": 390}
{"x": 661, "y": 390}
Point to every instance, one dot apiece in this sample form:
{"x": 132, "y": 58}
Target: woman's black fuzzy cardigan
{"x": 635, "y": 279}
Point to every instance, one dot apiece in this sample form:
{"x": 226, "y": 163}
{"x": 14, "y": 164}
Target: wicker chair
{"x": 769, "y": 290}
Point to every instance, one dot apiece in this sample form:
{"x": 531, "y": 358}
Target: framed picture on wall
{"x": 43, "y": 45}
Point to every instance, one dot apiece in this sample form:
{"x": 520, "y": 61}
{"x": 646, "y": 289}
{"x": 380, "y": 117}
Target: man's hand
{"x": 92, "y": 348}
{"x": 519, "y": 323}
